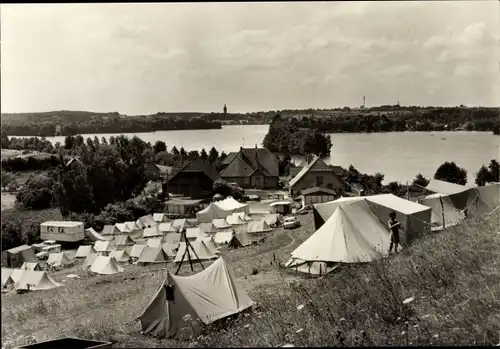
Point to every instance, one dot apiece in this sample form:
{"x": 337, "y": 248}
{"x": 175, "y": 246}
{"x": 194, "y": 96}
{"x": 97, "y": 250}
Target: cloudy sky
{"x": 145, "y": 58}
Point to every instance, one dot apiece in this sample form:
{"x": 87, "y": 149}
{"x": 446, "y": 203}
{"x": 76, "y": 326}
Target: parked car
{"x": 291, "y": 223}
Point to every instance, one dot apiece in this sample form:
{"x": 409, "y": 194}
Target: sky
{"x": 196, "y": 57}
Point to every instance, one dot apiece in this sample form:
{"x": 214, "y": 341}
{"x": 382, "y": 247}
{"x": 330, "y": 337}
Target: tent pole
{"x": 442, "y": 209}
{"x": 188, "y": 245}
{"x": 183, "y": 256}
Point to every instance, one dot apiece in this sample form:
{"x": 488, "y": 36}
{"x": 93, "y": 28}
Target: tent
{"x": 208, "y": 228}
{"x": 90, "y": 259}
{"x": 311, "y": 267}
{"x": 110, "y": 230}
{"x": 234, "y": 219}
{"x": 160, "y": 217}
{"x": 223, "y": 237}
{"x": 222, "y": 209}
{"x": 105, "y": 266}
{"x": 352, "y": 234}
{"x": 221, "y": 223}
{"x": 240, "y": 239}
{"x": 201, "y": 252}
{"x": 444, "y": 213}
{"x": 152, "y": 232}
{"x": 146, "y": 221}
{"x": 16, "y": 256}
{"x": 59, "y": 259}
{"x": 243, "y": 215}
{"x": 152, "y": 255}
{"x": 283, "y": 207}
{"x": 490, "y": 195}
{"x": 132, "y": 226}
{"x": 210, "y": 243}
{"x": 443, "y": 187}
{"x": 193, "y": 233}
{"x": 136, "y": 250}
{"x": 258, "y": 227}
{"x": 272, "y": 219}
{"x": 121, "y": 256}
{"x": 415, "y": 218}
{"x": 209, "y": 295}
{"x": 6, "y": 273}
{"x": 169, "y": 249}
{"x": 167, "y": 228}
{"x": 181, "y": 224}
{"x": 7, "y": 281}
{"x": 122, "y": 228}
{"x": 31, "y": 266}
{"x": 123, "y": 240}
{"x": 84, "y": 250}
{"x": 102, "y": 246}
{"x": 35, "y": 280}
{"x": 173, "y": 238}
{"x": 193, "y": 222}
{"x": 156, "y": 242}
{"x": 94, "y": 236}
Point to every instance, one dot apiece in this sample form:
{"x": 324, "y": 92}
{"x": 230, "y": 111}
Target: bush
{"x": 29, "y": 164}
{"x": 37, "y": 193}
{"x": 450, "y": 172}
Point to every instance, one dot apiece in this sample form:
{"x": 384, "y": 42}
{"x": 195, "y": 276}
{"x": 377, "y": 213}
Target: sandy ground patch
{"x": 8, "y": 200}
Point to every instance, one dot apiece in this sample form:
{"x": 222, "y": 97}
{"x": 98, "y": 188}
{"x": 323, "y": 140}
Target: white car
{"x": 291, "y": 222}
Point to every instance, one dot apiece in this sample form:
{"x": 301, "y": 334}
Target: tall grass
{"x": 443, "y": 290}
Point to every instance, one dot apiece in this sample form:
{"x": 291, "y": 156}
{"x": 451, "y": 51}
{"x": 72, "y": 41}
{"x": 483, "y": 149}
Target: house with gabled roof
{"x": 195, "y": 179}
{"x": 251, "y": 168}
{"x": 316, "y": 173}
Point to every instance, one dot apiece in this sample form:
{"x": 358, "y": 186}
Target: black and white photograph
{"x": 250, "y": 174}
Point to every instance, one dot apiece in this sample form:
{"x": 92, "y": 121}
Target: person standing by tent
{"x": 394, "y": 227}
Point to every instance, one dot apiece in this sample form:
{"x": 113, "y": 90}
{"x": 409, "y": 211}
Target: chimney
{"x": 256, "y": 154}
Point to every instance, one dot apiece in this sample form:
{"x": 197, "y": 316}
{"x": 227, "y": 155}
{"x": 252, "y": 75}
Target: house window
{"x": 319, "y": 181}
{"x": 329, "y": 186}
{"x": 61, "y": 230}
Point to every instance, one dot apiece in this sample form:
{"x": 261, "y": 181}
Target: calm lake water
{"x": 398, "y": 155}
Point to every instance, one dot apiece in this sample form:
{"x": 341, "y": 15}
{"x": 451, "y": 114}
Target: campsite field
{"x": 451, "y": 281}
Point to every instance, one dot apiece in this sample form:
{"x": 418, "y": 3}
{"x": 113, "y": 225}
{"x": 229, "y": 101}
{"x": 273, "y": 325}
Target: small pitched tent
{"x": 170, "y": 250}
{"x": 155, "y": 243}
{"x": 146, "y": 222}
{"x": 123, "y": 240}
{"x": 234, "y": 220}
{"x": 167, "y": 228}
{"x": 240, "y": 239}
{"x": 84, "y": 250}
{"x": 122, "y": 228}
{"x": 173, "y": 238}
{"x": 152, "y": 255}
{"x": 132, "y": 226}
{"x": 105, "y": 266}
{"x": 31, "y": 266}
{"x": 445, "y": 188}
{"x": 201, "y": 252}
{"x": 490, "y": 195}
{"x": 181, "y": 224}
{"x": 35, "y": 280}
{"x": 90, "y": 259}
{"x": 7, "y": 283}
{"x": 272, "y": 219}
{"x": 95, "y": 236}
{"x": 160, "y": 217}
{"x": 59, "y": 259}
{"x": 208, "y": 228}
{"x": 136, "y": 250}
{"x": 16, "y": 256}
{"x": 221, "y": 223}
{"x": 16, "y": 274}
{"x": 121, "y": 256}
{"x": 210, "y": 295}
{"x": 152, "y": 232}
{"x": 243, "y": 215}
{"x": 258, "y": 227}
{"x": 444, "y": 213}
{"x": 6, "y": 275}
{"x": 110, "y": 230}
{"x": 223, "y": 237}
{"x": 102, "y": 246}
{"x": 193, "y": 233}
{"x": 210, "y": 243}
{"x": 352, "y": 234}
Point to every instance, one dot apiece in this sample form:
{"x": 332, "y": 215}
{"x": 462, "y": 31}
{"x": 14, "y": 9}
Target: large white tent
{"x": 210, "y": 295}
{"x": 222, "y": 209}
{"x": 351, "y": 234}
{"x": 415, "y": 218}
{"x": 35, "y": 280}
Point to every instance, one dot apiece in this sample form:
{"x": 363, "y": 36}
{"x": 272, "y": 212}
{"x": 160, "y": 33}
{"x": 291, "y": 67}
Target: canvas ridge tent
{"x": 352, "y": 234}
{"x": 415, "y": 218}
{"x": 223, "y": 237}
{"x": 123, "y": 228}
{"x": 102, "y": 246}
{"x": 90, "y": 259}
{"x": 167, "y": 228}
{"x": 210, "y": 244}
{"x": 154, "y": 242}
{"x": 110, "y": 230}
{"x": 221, "y": 223}
{"x": 16, "y": 256}
{"x": 35, "y": 280}
{"x": 123, "y": 240}
{"x": 258, "y": 227}
{"x": 105, "y": 266}
{"x": 234, "y": 220}
{"x": 444, "y": 213}
{"x": 240, "y": 239}
{"x": 132, "y": 226}
{"x": 169, "y": 249}
{"x": 84, "y": 250}
{"x": 121, "y": 256}
{"x": 446, "y": 188}
{"x": 193, "y": 233}
{"x": 94, "y": 236}
{"x": 181, "y": 224}
{"x": 222, "y": 209}
{"x": 152, "y": 232}
{"x": 160, "y": 217}
{"x": 272, "y": 219}
{"x": 202, "y": 252}
{"x": 136, "y": 250}
{"x": 152, "y": 255}
{"x": 31, "y": 266}
{"x": 243, "y": 215}
{"x": 209, "y": 295}
{"x": 173, "y": 238}
{"x": 59, "y": 259}
{"x": 146, "y": 221}
{"x": 208, "y": 228}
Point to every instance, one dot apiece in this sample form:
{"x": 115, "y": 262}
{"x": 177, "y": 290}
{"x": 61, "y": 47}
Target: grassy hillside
{"x": 453, "y": 278}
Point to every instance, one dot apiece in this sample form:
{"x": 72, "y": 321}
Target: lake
{"x": 398, "y": 155}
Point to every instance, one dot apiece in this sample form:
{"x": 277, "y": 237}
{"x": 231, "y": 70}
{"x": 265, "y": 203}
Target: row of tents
{"x": 354, "y": 229}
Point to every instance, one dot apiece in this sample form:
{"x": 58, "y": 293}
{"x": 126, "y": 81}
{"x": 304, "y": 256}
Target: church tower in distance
{"x": 225, "y": 112}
